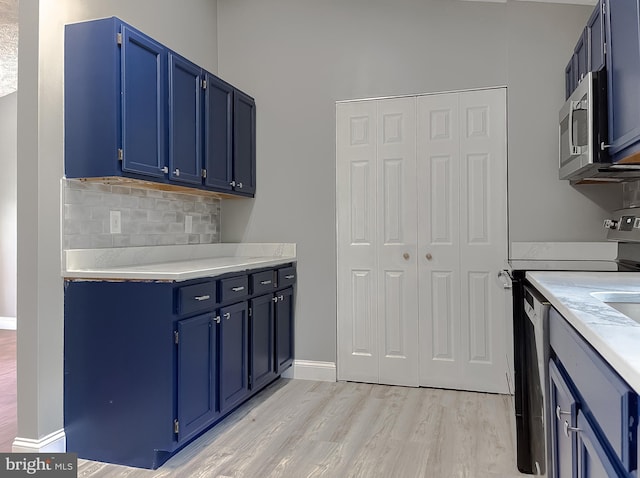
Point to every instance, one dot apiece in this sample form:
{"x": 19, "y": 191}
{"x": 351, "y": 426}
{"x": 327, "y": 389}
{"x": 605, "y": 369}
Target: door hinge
{"x": 176, "y": 426}
{"x": 176, "y": 337}
{"x": 119, "y": 38}
{"x": 204, "y": 84}
{"x": 120, "y": 154}
{"x": 204, "y": 173}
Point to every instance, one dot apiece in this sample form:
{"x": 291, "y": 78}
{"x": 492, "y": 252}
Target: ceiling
{"x": 8, "y": 46}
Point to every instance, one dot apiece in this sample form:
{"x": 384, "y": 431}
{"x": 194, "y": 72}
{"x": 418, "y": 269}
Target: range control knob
{"x": 610, "y": 224}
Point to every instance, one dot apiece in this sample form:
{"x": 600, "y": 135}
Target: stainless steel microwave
{"x": 583, "y": 131}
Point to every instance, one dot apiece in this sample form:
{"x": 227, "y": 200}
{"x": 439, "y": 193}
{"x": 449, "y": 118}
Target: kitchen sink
{"x": 627, "y": 303}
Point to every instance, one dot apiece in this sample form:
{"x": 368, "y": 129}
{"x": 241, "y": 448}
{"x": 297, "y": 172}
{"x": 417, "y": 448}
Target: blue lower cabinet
{"x": 196, "y": 339}
{"x": 563, "y": 416}
{"x": 593, "y": 460}
{"x": 284, "y": 329}
{"x": 262, "y": 363}
{"x": 234, "y": 356}
{"x": 148, "y": 366}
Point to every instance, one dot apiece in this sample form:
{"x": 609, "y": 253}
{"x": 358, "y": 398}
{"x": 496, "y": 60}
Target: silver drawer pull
{"x": 202, "y": 297}
{"x": 559, "y": 412}
{"x": 265, "y": 282}
{"x": 227, "y": 315}
{"x": 568, "y": 429}
{"x": 289, "y": 276}
{"x": 237, "y": 289}
{"x": 281, "y": 297}
{"x": 275, "y": 299}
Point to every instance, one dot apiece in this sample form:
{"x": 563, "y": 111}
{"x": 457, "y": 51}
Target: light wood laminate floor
{"x": 298, "y": 428}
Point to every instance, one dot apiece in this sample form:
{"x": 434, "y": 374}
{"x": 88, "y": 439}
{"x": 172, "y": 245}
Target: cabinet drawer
{"x": 262, "y": 282}
{"x": 602, "y": 393}
{"x": 196, "y": 297}
{"x": 286, "y": 276}
{"x": 234, "y": 288}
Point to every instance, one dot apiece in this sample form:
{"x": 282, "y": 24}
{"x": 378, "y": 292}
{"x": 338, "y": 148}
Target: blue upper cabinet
{"x": 595, "y": 38}
{"x": 218, "y": 133}
{"x": 144, "y": 80}
{"x": 185, "y": 118}
{"x": 135, "y": 108}
{"x": 623, "y": 76}
{"x": 244, "y": 144}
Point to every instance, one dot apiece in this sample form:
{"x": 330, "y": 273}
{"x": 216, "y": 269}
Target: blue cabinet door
{"x": 581, "y": 57}
{"x": 197, "y": 390}
{"x": 593, "y": 460}
{"x": 218, "y": 133}
{"x": 233, "y": 364}
{"x": 185, "y": 116}
{"x": 244, "y": 143}
{"x": 623, "y": 74}
{"x": 262, "y": 368}
{"x": 284, "y": 329}
{"x": 596, "y": 38}
{"x": 144, "y": 89}
{"x": 563, "y": 408}
{"x": 569, "y": 77}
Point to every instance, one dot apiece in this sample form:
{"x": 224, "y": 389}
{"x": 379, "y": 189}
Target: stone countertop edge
{"x": 612, "y": 334}
{"x": 173, "y": 263}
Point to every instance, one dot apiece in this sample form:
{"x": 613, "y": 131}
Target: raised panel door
{"x": 244, "y": 143}
{"x": 396, "y": 251}
{"x": 218, "y": 133}
{"x": 438, "y": 172}
{"x": 284, "y": 329}
{"x": 593, "y": 460}
{"x": 234, "y": 355}
{"x": 623, "y": 73}
{"x": 262, "y": 357}
{"x": 563, "y": 408}
{"x": 356, "y": 200}
{"x": 197, "y": 389}
{"x": 185, "y": 117}
{"x": 144, "y": 89}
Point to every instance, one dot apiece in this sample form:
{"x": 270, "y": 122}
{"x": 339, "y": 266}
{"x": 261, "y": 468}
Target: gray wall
{"x": 8, "y": 165}
{"x": 189, "y": 27}
{"x": 297, "y": 57}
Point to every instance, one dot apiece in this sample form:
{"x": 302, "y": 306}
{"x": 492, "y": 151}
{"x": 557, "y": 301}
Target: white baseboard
{"x": 8, "y": 323}
{"x": 55, "y": 442}
{"x": 311, "y": 370}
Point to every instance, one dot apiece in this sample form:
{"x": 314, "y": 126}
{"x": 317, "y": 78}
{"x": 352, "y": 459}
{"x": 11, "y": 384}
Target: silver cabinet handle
{"x": 232, "y": 184}
{"x": 265, "y": 282}
{"x": 289, "y": 276}
{"x": 227, "y": 315}
{"x": 177, "y": 172}
{"x": 281, "y": 297}
{"x": 568, "y": 429}
{"x": 165, "y": 170}
{"x": 239, "y": 185}
{"x": 559, "y": 412}
{"x": 217, "y": 319}
{"x": 237, "y": 289}
{"x": 275, "y": 299}
{"x": 202, "y": 297}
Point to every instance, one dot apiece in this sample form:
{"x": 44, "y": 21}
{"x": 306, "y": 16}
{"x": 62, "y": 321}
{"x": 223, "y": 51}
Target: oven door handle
{"x": 505, "y": 277}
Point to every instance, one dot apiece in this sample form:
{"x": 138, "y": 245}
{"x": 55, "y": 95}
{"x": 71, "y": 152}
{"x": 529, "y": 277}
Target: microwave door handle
{"x": 572, "y": 148}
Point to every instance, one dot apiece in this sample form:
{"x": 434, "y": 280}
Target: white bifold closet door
{"x": 421, "y": 232}
{"x": 377, "y": 242}
{"x": 462, "y": 240}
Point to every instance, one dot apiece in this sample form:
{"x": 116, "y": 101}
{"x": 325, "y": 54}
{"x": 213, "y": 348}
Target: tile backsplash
{"x": 149, "y": 217}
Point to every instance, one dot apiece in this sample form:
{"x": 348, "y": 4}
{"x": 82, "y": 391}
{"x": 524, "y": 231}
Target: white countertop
{"x": 172, "y": 263}
{"x": 615, "y": 336}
